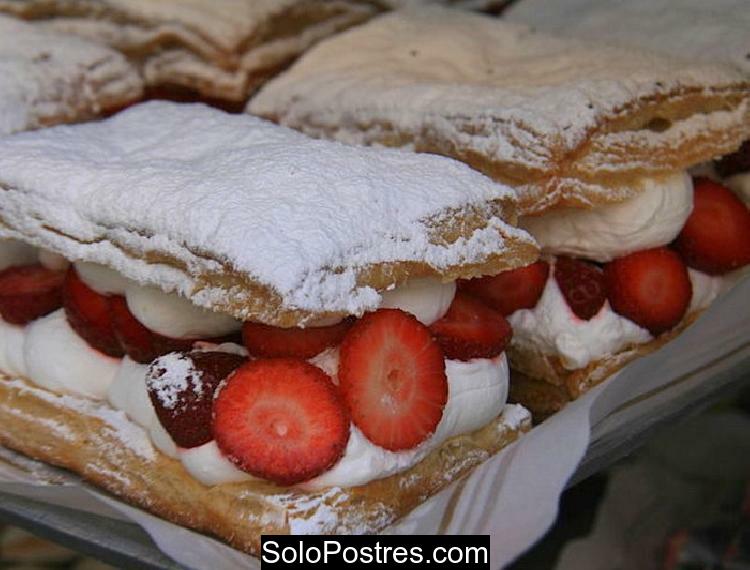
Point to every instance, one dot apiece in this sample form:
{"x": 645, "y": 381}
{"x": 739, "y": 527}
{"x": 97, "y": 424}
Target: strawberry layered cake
{"x": 597, "y": 141}
{"x": 175, "y": 332}
{"x": 615, "y": 282}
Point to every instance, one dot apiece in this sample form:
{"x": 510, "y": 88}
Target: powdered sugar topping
{"x": 220, "y": 193}
{"x": 172, "y": 375}
{"x": 51, "y": 77}
{"x": 468, "y": 84}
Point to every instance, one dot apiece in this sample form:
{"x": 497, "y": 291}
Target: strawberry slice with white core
{"x": 392, "y": 377}
{"x": 650, "y": 287}
{"x": 281, "y": 419}
{"x": 29, "y": 292}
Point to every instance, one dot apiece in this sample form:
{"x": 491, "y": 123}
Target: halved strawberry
{"x": 511, "y": 290}
{"x": 29, "y": 292}
{"x": 716, "y": 237}
{"x": 649, "y": 287}
{"x": 140, "y": 343}
{"x": 582, "y": 284}
{"x": 392, "y": 377}
{"x": 270, "y": 342}
{"x": 281, "y": 419}
{"x": 735, "y": 163}
{"x": 181, "y": 386}
{"x": 90, "y": 314}
{"x": 471, "y": 329}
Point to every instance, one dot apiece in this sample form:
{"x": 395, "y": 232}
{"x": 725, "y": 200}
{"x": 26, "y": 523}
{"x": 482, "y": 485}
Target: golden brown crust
{"x": 87, "y": 438}
{"x": 542, "y": 384}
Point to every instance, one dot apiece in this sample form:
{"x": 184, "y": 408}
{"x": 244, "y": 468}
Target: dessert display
{"x": 51, "y": 78}
{"x": 221, "y": 49}
{"x": 596, "y": 140}
{"x": 246, "y": 331}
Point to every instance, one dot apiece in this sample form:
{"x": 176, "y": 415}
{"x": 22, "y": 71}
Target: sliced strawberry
{"x": 181, "y": 386}
{"x": 716, "y": 237}
{"x": 140, "y": 343}
{"x": 29, "y": 292}
{"x": 735, "y": 163}
{"x": 270, "y": 342}
{"x": 90, "y": 314}
{"x": 582, "y": 284}
{"x": 281, "y": 419}
{"x": 471, "y": 329}
{"x": 392, "y": 376}
{"x": 511, "y": 290}
{"x": 649, "y": 287}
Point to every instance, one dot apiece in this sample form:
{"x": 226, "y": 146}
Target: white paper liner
{"x": 513, "y": 497}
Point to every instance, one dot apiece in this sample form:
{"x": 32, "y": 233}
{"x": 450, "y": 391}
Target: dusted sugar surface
{"x": 48, "y": 77}
{"x": 220, "y": 194}
{"x": 473, "y": 86}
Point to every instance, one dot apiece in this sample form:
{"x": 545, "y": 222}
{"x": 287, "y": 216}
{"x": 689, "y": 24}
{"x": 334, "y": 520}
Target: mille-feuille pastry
{"x": 49, "y": 78}
{"x": 259, "y": 332}
{"x": 221, "y": 49}
{"x": 595, "y": 139}
{"x": 715, "y": 32}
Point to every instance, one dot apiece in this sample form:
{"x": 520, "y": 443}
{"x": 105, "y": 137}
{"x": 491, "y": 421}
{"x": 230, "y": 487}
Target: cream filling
{"x": 653, "y": 218}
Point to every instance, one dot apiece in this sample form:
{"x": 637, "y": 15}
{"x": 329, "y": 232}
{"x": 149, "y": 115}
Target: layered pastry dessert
{"x": 248, "y": 331}
{"x": 50, "y": 78}
{"x": 220, "y": 50}
{"x": 596, "y": 140}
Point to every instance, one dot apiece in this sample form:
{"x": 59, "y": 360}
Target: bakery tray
{"x": 126, "y": 545}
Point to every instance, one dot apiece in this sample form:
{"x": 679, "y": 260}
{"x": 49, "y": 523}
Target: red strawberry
{"x": 649, "y": 287}
{"x": 181, "y": 386}
{"x": 281, "y": 419}
{"x": 716, "y": 237}
{"x": 270, "y": 342}
{"x": 511, "y": 290}
{"x": 582, "y": 284}
{"x": 90, "y": 315}
{"x": 471, "y": 329}
{"x": 140, "y": 343}
{"x": 735, "y": 163}
{"x": 29, "y": 292}
{"x": 392, "y": 377}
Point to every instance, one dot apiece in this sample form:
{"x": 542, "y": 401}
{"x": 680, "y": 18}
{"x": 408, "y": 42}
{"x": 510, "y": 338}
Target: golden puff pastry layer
{"x": 106, "y": 449}
{"x": 542, "y": 384}
{"x": 567, "y": 123}
{"x": 221, "y": 49}
{"x": 50, "y": 78}
{"x": 247, "y": 218}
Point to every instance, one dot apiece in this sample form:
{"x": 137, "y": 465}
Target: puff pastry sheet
{"x": 218, "y": 48}
{"x": 105, "y": 448}
{"x": 565, "y": 122}
{"x": 248, "y": 218}
{"x": 48, "y": 78}
{"x": 542, "y": 384}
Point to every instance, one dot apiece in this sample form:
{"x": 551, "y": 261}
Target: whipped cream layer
{"x": 427, "y": 299}
{"x": 653, "y": 218}
{"x": 551, "y": 327}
